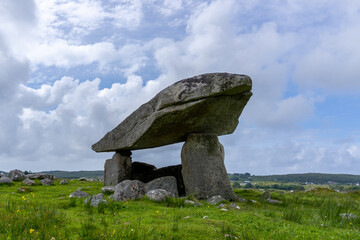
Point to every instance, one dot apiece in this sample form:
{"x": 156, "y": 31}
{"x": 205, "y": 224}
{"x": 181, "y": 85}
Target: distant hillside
{"x": 76, "y": 174}
{"x": 320, "y": 178}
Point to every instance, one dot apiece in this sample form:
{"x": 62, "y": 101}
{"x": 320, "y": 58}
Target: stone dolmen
{"x": 196, "y": 111}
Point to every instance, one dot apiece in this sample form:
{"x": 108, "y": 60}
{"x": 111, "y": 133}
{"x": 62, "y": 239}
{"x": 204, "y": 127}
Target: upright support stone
{"x": 203, "y": 167}
{"x": 118, "y": 168}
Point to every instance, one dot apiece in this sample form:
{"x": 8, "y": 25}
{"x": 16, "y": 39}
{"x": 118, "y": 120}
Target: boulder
{"x": 28, "y": 182}
{"x": 167, "y": 183}
{"x": 118, "y": 168}
{"x": 158, "y": 195}
{"x": 151, "y": 174}
{"x": 83, "y": 179}
{"x": 215, "y": 200}
{"x": 46, "y": 181}
{"x": 5, "y": 180}
{"x": 64, "y": 182}
{"x": 2, "y": 174}
{"x": 203, "y": 167}
{"x": 265, "y": 196}
{"x": 129, "y": 190}
{"x": 139, "y": 168}
{"x": 108, "y": 189}
{"x": 208, "y": 103}
{"x": 79, "y": 194}
{"x": 16, "y": 175}
{"x": 95, "y": 200}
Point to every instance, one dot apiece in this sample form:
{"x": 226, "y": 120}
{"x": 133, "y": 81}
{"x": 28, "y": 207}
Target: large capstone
{"x": 203, "y": 168}
{"x": 208, "y": 103}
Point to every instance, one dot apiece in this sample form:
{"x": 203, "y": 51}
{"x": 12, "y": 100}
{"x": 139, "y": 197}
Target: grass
{"x": 46, "y": 212}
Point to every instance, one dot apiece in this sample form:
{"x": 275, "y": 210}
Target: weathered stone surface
{"x": 151, "y": 175}
{"x": 64, "y": 182}
{"x": 215, "y": 200}
{"x": 138, "y": 168}
{"x": 117, "y": 169}
{"x": 16, "y": 175}
{"x": 40, "y": 176}
{"x": 129, "y": 190}
{"x": 28, "y": 182}
{"x": 46, "y": 182}
{"x": 167, "y": 183}
{"x": 95, "y": 200}
{"x": 79, "y": 194}
{"x": 265, "y": 196}
{"x": 203, "y": 167}
{"x": 208, "y": 103}
{"x": 2, "y": 175}
{"x": 108, "y": 189}
{"x": 158, "y": 195}
{"x": 5, "y": 180}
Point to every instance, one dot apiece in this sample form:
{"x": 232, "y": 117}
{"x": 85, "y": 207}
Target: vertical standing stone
{"x": 203, "y": 168}
{"x": 118, "y": 168}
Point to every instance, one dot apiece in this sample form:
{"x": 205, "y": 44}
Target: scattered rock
{"x": 95, "y": 200}
{"x": 46, "y": 181}
{"x": 79, "y": 194}
{"x": 240, "y": 199}
{"x": 186, "y": 217}
{"x": 205, "y": 217}
{"x": 2, "y": 175}
{"x": 215, "y": 200}
{"x": 40, "y": 176}
{"x": 229, "y": 236}
{"x": 221, "y": 205}
{"x": 273, "y": 201}
{"x": 167, "y": 183}
{"x": 21, "y": 189}
{"x": 5, "y": 180}
{"x": 158, "y": 195}
{"x": 108, "y": 189}
{"x": 83, "y": 179}
{"x": 253, "y": 201}
{"x": 197, "y": 204}
{"x": 233, "y": 205}
{"x": 348, "y": 216}
{"x": 64, "y": 182}
{"x": 265, "y": 196}
{"x": 16, "y": 175}
{"x": 223, "y": 209}
{"x": 28, "y": 182}
{"x": 129, "y": 190}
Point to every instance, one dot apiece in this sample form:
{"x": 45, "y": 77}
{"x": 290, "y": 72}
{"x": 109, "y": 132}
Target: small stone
{"x": 348, "y": 216}
{"x": 28, "y": 182}
{"x": 221, "y": 205}
{"x": 186, "y": 217}
{"x": 108, "y": 189}
{"x": 223, "y": 209}
{"x": 46, "y": 182}
{"x": 228, "y": 236}
{"x": 83, "y": 179}
{"x": 64, "y": 182}
{"x": 233, "y": 205}
{"x": 158, "y": 195}
{"x": 273, "y": 201}
{"x": 240, "y": 199}
{"x": 129, "y": 190}
{"x": 79, "y": 194}
{"x": 5, "y": 180}
{"x": 21, "y": 189}
{"x": 265, "y": 196}
{"x": 167, "y": 183}
{"x": 215, "y": 200}
{"x": 205, "y": 217}
{"x": 197, "y": 204}
{"x": 95, "y": 200}
{"x": 253, "y": 201}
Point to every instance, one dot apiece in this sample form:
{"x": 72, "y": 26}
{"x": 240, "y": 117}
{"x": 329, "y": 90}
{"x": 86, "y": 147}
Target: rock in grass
{"x": 64, "y": 182}
{"x": 167, "y": 183}
{"x": 46, "y": 182}
{"x": 16, "y": 175}
{"x": 129, "y": 190}
{"x": 265, "y": 196}
{"x": 197, "y": 204}
{"x": 28, "y": 182}
{"x": 83, "y": 179}
{"x": 158, "y": 195}
{"x": 108, "y": 189}
{"x": 79, "y": 194}
{"x": 5, "y": 180}
{"x": 215, "y": 200}
{"x": 234, "y": 206}
{"x": 95, "y": 200}
{"x": 348, "y": 216}
{"x": 273, "y": 201}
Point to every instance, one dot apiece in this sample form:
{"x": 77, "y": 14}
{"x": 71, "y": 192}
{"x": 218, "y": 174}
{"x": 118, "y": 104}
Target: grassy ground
{"x": 46, "y": 212}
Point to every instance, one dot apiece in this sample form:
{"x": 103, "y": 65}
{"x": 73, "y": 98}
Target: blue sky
{"x": 71, "y": 70}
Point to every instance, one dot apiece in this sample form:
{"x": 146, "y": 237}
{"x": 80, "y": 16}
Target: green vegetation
{"x": 46, "y": 212}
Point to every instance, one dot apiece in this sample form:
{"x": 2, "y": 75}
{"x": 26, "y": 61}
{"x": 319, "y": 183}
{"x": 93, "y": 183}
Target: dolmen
{"x": 196, "y": 111}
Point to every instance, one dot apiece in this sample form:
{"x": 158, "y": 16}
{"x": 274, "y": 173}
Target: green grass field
{"x": 46, "y": 212}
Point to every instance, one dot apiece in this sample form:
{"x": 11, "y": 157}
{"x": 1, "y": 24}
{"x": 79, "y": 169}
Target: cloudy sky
{"x": 71, "y": 70}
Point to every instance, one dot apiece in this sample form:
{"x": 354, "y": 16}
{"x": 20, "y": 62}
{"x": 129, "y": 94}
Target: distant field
{"x": 46, "y": 212}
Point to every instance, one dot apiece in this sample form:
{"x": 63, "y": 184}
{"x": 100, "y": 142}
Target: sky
{"x": 72, "y": 70}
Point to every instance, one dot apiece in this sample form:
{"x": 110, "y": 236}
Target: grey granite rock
{"x": 158, "y": 195}
{"x": 16, "y": 175}
{"x": 79, "y": 194}
{"x": 46, "y": 181}
{"x": 28, "y": 182}
{"x": 5, "y": 180}
{"x": 64, "y": 182}
{"x": 215, "y": 200}
{"x": 129, "y": 190}
{"x": 117, "y": 169}
{"x": 108, "y": 189}
{"x": 208, "y": 103}
{"x": 167, "y": 183}
{"x": 95, "y": 200}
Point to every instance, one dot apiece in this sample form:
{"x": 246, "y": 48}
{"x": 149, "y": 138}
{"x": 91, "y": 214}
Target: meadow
{"x": 46, "y": 212}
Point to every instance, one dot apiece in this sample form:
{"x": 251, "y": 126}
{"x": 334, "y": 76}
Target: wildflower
{"x": 157, "y": 211}
{"x": 31, "y": 230}
{"x": 18, "y": 210}
{"x": 23, "y": 198}
{"x": 350, "y": 223}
